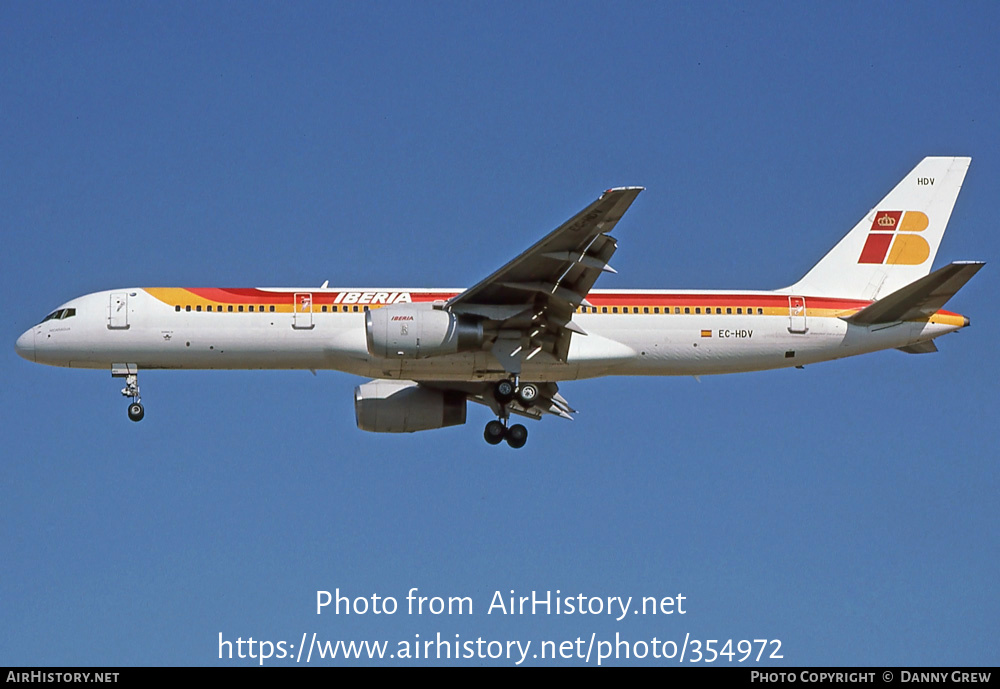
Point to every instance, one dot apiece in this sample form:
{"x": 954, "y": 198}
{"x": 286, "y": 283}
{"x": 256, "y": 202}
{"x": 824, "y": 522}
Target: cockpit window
{"x": 60, "y": 314}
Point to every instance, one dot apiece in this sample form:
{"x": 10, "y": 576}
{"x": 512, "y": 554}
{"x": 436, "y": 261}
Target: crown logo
{"x": 887, "y": 246}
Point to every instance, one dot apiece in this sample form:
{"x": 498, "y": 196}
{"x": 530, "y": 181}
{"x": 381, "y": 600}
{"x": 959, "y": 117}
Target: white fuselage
{"x": 643, "y": 332}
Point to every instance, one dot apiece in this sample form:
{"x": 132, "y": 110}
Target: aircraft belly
{"x": 480, "y": 366}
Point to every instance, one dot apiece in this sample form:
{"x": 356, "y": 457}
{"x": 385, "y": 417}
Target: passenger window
{"x": 604, "y": 309}
{"x": 187, "y": 308}
{"x": 687, "y": 309}
{"x": 230, "y": 308}
{"x": 760, "y": 312}
{"x": 729, "y": 311}
{"x": 739, "y": 310}
{"x": 324, "y": 308}
{"x": 240, "y": 308}
{"x": 697, "y": 309}
{"x": 177, "y": 308}
{"x": 272, "y": 309}
{"x": 355, "y": 309}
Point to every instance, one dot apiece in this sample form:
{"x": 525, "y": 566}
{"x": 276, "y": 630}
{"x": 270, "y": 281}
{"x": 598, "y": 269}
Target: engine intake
{"x": 402, "y": 406}
{"x": 418, "y": 331}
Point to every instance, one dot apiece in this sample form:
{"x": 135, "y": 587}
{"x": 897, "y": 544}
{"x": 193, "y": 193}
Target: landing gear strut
{"x": 504, "y": 392}
{"x": 130, "y": 372}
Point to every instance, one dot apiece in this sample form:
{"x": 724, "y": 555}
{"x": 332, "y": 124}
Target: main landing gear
{"x": 506, "y": 391}
{"x": 516, "y": 435}
{"x": 130, "y": 372}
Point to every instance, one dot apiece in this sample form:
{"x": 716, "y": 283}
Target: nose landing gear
{"x": 130, "y": 372}
{"x": 504, "y": 392}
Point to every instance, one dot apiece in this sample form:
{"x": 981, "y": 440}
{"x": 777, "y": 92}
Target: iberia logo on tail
{"x": 896, "y": 229}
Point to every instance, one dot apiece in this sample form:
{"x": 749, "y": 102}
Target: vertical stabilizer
{"x": 896, "y": 242}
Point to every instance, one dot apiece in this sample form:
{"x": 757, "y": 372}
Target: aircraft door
{"x": 797, "y": 315}
{"x": 302, "y": 318}
{"x": 118, "y": 311}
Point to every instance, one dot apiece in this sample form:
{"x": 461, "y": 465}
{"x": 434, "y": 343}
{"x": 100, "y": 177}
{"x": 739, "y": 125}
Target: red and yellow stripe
{"x": 219, "y": 299}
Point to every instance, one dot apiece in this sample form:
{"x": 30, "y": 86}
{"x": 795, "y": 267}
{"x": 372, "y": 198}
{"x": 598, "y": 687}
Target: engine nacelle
{"x": 418, "y": 331}
{"x": 402, "y": 406}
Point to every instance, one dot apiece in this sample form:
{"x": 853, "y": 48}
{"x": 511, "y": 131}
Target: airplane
{"x": 508, "y": 341}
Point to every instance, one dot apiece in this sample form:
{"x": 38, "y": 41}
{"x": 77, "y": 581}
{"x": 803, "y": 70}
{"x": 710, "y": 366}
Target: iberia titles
{"x": 373, "y": 298}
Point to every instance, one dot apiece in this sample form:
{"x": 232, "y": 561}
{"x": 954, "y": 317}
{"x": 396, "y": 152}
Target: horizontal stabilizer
{"x": 927, "y": 347}
{"x": 920, "y": 299}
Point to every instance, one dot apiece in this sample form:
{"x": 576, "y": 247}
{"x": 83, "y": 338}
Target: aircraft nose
{"x": 25, "y": 345}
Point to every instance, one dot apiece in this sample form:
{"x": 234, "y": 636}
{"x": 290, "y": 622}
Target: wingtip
{"x": 621, "y": 189}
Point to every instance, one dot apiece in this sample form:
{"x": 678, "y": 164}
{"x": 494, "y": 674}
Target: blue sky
{"x": 847, "y": 509}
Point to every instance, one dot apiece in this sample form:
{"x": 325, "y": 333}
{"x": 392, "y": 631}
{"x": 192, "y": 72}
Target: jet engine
{"x": 418, "y": 331}
{"x": 402, "y": 406}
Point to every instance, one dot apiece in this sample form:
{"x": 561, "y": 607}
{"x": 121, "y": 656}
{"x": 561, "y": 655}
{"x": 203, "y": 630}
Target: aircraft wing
{"x": 531, "y": 300}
